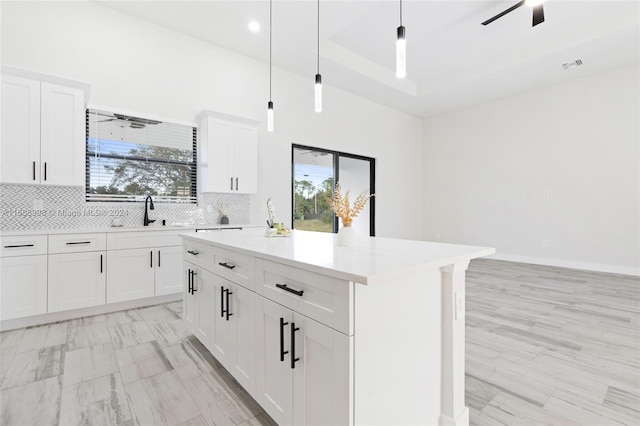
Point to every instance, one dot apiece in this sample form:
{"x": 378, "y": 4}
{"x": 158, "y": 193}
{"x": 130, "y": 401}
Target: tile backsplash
{"x": 33, "y": 207}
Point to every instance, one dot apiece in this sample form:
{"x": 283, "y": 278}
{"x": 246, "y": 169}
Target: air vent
{"x": 573, "y": 64}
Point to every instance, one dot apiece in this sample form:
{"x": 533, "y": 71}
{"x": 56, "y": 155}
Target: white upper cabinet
{"x": 62, "y": 135}
{"x": 228, "y": 157}
{"x": 42, "y": 133}
{"x": 20, "y": 148}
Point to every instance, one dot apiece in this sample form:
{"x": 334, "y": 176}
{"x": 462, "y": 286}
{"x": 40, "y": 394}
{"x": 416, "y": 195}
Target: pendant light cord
{"x": 318, "y": 38}
{"x": 400, "y": 12}
{"x": 270, "y": 36}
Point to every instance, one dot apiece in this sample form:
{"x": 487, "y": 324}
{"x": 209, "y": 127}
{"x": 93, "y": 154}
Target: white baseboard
{"x": 85, "y": 312}
{"x": 563, "y": 263}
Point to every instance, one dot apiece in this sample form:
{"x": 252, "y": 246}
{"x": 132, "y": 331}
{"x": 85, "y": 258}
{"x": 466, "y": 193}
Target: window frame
{"x": 113, "y": 198}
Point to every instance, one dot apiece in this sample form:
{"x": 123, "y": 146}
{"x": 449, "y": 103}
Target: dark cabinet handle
{"x": 282, "y": 351}
{"x": 100, "y": 263}
{"x": 193, "y": 282}
{"x": 293, "y": 345}
{"x": 226, "y": 265}
{"x": 227, "y": 301}
{"x": 189, "y": 281}
{"x": 34, "y": 170}
{"x": 231, "y": 184}
{"x": 151, "y": 259}
{"x": 78, "y": 242}
{"x": 19, "y": 246}
{"x": 158, "y": 258}
{"x": 290, "y": 290}
{"x": 45, "y": 170}
{"x": 236, "y": 184}
{"x": 193, "y": 252}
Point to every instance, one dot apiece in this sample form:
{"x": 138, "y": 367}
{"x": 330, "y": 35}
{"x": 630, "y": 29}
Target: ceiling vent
{"x": 573, "y": 64}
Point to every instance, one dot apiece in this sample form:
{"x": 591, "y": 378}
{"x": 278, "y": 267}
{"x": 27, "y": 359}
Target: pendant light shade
{"x": 318, "y": 84}
{"x": 270, "y": 103}
{"x": 270, "y": 116}
{"x": 401, "y": 49}
{"x": 318, "y": 93}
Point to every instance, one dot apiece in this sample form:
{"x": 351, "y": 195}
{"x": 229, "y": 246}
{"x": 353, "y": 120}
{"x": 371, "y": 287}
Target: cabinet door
{"x": 168, "y": 278}
{"x": 321, "y": 378}
{"x": 222, "y": 338}
{"x": 242, "y": 307}
{"x": 274, "y": 376}
{"x": 220, "y": 143}
{"x": 76, "y": 280}
{"x": 188, "y": 298}
{"x": 20, "y": 149}
{"x": 203, "y": 290}
{"x": 23, "y": 286}
{"x": 245, "y": 159}
{"x": 62, "y": 141}
{"x": 130, "y": 274}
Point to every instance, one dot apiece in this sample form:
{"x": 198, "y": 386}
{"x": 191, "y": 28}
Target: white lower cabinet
{"x": 143, "y": 272}
{"x": 130, "y": 274}
{"x": 23, "y": 286}
{"x": 198, "y": 303}
{"x": 167, "y": 274}
{"x": 76, "y": 280}
{"x": 302, "y": 369}
{"x": 233, "y": 338}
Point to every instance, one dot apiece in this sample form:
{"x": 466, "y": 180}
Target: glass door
{"x": 314, "y": 173}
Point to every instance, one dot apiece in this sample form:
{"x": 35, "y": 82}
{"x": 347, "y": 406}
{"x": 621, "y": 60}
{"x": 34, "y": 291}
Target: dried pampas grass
{"x": 342, "y": 207}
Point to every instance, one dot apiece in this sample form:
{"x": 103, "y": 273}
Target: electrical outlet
{"x": 545, "y": 243}
{"x": 38, "y": 204}
{"x": 545, "y": 194}
{"x": 209, "y": 208}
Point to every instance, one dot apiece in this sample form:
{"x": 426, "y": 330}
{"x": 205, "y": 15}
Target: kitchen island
{"x": 322, "y": 334}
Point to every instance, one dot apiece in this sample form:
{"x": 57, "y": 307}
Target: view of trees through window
{"x": 129, "y": 158}
{"x": 312, "y": 211}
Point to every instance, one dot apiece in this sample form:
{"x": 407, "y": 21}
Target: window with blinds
{"x": 129, "y": 158}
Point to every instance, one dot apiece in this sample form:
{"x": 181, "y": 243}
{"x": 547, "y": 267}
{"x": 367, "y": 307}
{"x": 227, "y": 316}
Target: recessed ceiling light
{"x": 533, "y": 3}
{"x": 254, "y": 26}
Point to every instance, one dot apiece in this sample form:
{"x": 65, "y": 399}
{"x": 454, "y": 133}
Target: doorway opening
{"x": 314, "y": 172}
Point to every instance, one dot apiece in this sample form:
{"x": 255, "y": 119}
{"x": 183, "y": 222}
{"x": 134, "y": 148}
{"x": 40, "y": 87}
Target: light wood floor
{"x": 544, "y": 346}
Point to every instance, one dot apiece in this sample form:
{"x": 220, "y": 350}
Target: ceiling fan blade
{"x": 501, "y": 14}
{"x": 538, "y": 15}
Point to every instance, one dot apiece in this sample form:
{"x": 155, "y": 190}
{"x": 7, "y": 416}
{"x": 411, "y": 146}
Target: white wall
{"x": 142, "y": 67}
{"x": 487, "y": 168}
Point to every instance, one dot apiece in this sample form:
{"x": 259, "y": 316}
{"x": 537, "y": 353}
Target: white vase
{"x": 347, "y": 236}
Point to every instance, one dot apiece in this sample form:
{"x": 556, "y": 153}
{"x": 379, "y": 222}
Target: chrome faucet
{"x": 147, "y": 221}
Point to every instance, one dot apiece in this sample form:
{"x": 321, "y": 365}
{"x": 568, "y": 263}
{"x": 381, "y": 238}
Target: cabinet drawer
{"x": 235, "y": 267}
{"x": 23, "y": 245}
{"x": 77, "y": 243}
{"x": 198, "y": 254}
{"x": 327, "y": 300}
{"x": 143, "y": 239}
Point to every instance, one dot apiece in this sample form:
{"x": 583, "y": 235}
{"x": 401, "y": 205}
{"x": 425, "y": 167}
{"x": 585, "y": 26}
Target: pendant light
{"x": 270, "y": 103}
{"x": 401, "y": 50}
{"x": 318, "y": 84}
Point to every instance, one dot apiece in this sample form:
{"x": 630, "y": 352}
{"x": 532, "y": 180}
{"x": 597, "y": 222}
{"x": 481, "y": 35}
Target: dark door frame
{"x": 336, "y": 170}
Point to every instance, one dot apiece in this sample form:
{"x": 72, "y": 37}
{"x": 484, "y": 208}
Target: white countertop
{"x": 373, "y": 259}
{"x": 124, "y": 229}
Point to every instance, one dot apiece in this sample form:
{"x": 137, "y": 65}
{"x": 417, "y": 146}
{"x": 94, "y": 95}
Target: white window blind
{"x": 129, "y": 158}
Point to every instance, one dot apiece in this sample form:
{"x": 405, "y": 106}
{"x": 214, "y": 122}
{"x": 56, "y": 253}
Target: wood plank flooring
{"x": 551, "y": 346}
{"x": 544, "y": 346}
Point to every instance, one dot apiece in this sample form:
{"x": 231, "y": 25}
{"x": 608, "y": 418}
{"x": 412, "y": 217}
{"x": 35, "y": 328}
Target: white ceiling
{"x": 452, "y": 60}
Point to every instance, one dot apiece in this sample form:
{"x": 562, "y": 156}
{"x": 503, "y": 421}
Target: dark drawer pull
{"x": 34, "y": 170}
{"x": 19, "y": 246}
{"x": 290, "y": 290}
{"x": 79, "y": 242}
{"x": 226, "y": 265}
{"x": 195, "y": 253}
